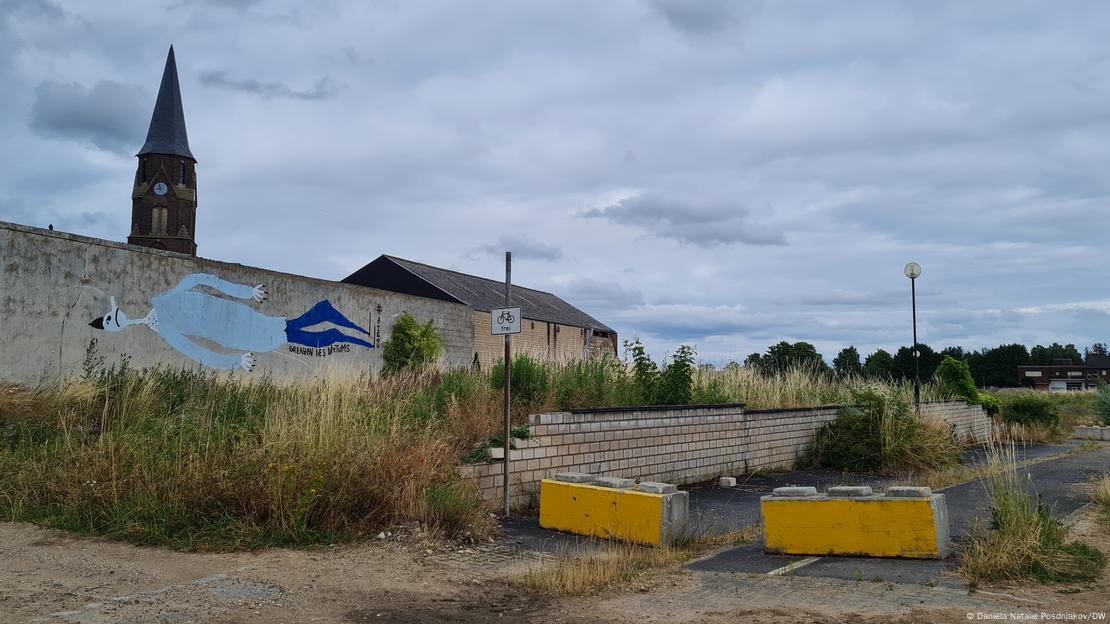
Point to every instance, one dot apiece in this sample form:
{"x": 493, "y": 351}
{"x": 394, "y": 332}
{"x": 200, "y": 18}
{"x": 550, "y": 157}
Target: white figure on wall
{"x": 183, "y": 313}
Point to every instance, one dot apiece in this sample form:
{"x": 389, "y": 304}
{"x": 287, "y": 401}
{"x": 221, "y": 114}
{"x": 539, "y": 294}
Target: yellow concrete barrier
{"x": 651, "y": 513}
{"x": 907, "y": 522}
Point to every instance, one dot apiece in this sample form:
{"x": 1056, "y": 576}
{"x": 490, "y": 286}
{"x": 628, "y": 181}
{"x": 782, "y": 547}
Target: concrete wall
{"x": 675, "y": 445}
{"x": 54, "y": 284}
{"x": 970, "y": 422}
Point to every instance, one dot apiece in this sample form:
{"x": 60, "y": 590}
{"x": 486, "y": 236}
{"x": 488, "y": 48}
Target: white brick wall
{"x": 677, "y": 445}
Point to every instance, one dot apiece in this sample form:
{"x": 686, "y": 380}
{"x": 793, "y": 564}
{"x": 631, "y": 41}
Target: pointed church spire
{"x": 167, "y": 125}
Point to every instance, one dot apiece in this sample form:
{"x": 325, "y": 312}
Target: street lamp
{"x": 913, "y": 271}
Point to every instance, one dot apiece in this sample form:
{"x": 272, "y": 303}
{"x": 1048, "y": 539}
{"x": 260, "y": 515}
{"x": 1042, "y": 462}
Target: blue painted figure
{"x": 184, "y": 313}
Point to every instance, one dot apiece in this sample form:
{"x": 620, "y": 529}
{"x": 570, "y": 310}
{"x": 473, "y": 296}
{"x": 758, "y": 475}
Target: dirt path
{"x": 52, "y": 577}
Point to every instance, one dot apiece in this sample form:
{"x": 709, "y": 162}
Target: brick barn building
{"x": 551, "y": 329}
{"x": 1063, "y": 375}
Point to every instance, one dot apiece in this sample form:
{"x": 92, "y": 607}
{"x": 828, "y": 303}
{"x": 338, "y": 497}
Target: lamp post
{"x": 913, "y": 271}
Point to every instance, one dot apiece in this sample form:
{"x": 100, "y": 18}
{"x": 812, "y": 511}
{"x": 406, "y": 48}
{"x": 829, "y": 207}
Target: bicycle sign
{"x": 504, "y": 321}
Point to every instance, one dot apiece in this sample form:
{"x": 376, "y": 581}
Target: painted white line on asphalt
{"x": 786, "y": 569}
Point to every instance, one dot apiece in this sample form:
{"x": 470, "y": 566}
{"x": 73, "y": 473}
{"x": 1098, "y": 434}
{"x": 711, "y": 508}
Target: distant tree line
{"x": 995, "y": 366}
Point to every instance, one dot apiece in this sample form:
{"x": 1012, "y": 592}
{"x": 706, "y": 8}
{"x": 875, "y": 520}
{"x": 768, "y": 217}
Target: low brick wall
{"x": 675, "y": 444}
{"x": 969, "y": 421}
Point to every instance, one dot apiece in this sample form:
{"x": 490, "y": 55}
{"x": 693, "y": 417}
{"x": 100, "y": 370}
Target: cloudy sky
{"x": 726, "y": 174}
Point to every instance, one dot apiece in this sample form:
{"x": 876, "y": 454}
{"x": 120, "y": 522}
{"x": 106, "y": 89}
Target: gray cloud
{"x": 700, "y": 17}
{"x": 704, "y": 225}
{"x": 236, "y": 5}
{"x": 523, "y": 248}
{"x": 33, "y": 9}
{"x": 839, "y": 297}
{"x": 592, "y": 294}
{"x": 322, "y": 89}
{"x": 109, "y": 116}
{"x": 842, "y": 128}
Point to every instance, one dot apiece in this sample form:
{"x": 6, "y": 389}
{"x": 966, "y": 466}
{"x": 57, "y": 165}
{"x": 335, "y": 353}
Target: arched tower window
{"x": 181, "y": 172}
{"x": 158, "y": 219}
{"x": 142, "y": 170}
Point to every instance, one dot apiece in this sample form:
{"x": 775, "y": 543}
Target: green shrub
{"x": 411, "y": 346}
{"x": 853, "y": 442}
{"x": 954, "y": 377}
{"x": 990, "y": 403}
{"x": 1102, "y": 404}
{"x": 676, "y": 383}
{"x": 592, "y": 382}
{"x": 529, "y": 379}
{"x": 457, "y": 385}
{"x": 645, "y": 373}
{"x": 881, "y": 433}
{"x": 1030, "y": 408}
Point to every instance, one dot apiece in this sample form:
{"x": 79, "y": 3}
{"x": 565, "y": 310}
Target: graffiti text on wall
{"x": 323, "y": 352}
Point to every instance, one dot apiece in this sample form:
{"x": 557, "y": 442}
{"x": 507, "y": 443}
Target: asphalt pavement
{"x": 1055, "y": 479}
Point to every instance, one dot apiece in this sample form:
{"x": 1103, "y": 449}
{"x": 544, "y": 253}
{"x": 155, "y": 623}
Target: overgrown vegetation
{"x": 1100, "y": 495}
{"x": 1024, "y": 539}
{"x": 205, "y": 461}
{"x": 1073, "y": 408}
{"x": 880, "y": 433}
{"x": 411, "y": 345}
{"x": 1030, "y": 408}
{"x": 1102, "y": 405}
{"x": 529, "y": 380}
{"x": 197, "y": 461}
{"x": 620, "y": 563}
{"x": 954, "y": 376}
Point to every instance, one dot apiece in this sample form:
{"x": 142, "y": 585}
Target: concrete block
{"x": 657, "y": 488}
{"x": 614, "y": 513}
{"x": 726, "y": 482}
{"x": 874, "y": 526}
{"x": 614, "y": 482}
{"x": 794, "y": 492}
{"x": 498, "y": 453}
{"x": 574, "y": 477}
{"x": 901, "y": 491}
{"x": 850, "y": 490}
{"x": 1090, "y": 432}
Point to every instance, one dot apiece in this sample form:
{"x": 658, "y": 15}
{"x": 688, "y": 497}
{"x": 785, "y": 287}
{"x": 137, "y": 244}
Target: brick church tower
{"x": 164, "y": 199}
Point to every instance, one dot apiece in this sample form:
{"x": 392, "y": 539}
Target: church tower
{"x": 164, "y": 199}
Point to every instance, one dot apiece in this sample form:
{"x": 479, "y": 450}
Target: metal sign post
{"x": 506, "y": 321}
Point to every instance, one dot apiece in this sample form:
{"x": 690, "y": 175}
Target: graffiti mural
{"x": 184, "y": 313}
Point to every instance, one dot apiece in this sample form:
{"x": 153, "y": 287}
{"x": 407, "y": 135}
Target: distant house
{"x": 1063, "y": 375}
{"x": 551, "y": 328}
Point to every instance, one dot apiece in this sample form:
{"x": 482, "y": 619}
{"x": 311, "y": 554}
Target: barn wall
{"x": 53, "y": 284}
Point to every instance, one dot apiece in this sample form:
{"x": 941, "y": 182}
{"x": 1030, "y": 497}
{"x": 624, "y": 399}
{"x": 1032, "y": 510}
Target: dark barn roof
{"x": 413, "y": 278}
{"x": 166, "y": 134}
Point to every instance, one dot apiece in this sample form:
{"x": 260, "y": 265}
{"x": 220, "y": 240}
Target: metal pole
{"x": 508, "y": 380}
{"x": 916, "y": 356}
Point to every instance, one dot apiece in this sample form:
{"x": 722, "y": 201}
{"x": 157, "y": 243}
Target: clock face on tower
{"x": 160, "y": 188}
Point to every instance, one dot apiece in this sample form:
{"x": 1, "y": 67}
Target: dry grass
{"x": 1024, "y": 540}
{"x": 197, "y": 461}
{"x": 1031, "y": 433}
{"x": 618, "y": 564}
{"x": 1100, "y": 495}
{"x": 202, "y": 461}
{"x": 805, "y": 387}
